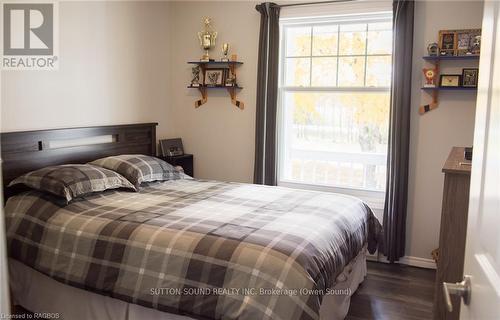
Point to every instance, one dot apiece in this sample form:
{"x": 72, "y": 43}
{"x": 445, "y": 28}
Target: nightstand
{"x": 185, "y": 161}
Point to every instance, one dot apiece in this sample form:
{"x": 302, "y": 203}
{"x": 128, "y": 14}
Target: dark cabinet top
{"x": 456, "y": 162}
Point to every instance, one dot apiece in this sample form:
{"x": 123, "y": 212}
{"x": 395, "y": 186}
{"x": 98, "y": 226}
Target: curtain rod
{"x": 309, "y": 3}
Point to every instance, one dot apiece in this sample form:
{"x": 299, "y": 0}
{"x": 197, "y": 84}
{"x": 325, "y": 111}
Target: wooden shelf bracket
{"x": 203, "y": 100}
{"x": 232, "y": 93}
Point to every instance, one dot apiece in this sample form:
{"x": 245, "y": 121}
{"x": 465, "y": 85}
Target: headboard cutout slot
{"x": 78, "y": 142}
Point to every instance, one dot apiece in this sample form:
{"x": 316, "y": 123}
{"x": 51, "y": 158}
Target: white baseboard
{"x": 407, "y": 260}
{"x": 418, "y": 262}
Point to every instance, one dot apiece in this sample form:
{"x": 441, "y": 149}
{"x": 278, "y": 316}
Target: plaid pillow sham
{"x": 73, "y": 180}
{"x": 138, "y": 168}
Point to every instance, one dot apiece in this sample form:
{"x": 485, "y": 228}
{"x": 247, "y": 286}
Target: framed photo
{"x": 449, "y": 80}
{"x": 171, "y": 147}
{"x": 475, "y": 42}
{"x": 447, "y": 42}
{"x": 213, "y": 77}
{"x": 459, "y": 42}
{"x": 470, "y": 78}
{"x": 463, "y": 43}
{"x": 467, "y": 43}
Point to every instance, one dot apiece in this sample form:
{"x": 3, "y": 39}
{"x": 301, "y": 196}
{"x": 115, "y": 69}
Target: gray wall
{"x": 433, "y": 134}
{"x": 221, "y": 135}
{"x": 114, "y": 67}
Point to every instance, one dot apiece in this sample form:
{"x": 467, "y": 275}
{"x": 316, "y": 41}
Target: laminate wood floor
{"x": 392, "y": 291}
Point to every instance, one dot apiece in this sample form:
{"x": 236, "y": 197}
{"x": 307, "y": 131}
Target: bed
{"x": 179, "y": 249}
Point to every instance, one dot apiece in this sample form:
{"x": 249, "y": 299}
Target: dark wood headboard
{"x": 31, "y": 150}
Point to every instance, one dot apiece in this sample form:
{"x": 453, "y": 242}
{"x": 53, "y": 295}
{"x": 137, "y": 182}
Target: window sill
{"x": 374, "y": 199}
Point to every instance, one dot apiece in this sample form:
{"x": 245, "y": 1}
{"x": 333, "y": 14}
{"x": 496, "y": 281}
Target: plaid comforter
{"x": 207, "y": 249}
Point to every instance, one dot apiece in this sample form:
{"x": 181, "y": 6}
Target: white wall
{"x": 220, "y": 135}
{"x": 114, "y": 67}
{"x": 433, "y": 134}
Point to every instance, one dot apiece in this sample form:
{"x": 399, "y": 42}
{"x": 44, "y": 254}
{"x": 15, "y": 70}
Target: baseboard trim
{"x": 406, "y": 260}
{"x": 418, "y": 262}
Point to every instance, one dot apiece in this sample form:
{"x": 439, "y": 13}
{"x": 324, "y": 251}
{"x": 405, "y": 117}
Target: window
{"x": 335, "y": 78}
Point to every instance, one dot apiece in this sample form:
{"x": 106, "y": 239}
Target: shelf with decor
{"x": 438, "y": 58}
{"x": 454, "y": 45}
{"x": 215, "y": 87}
{"x": 450, "y": 88}
{"x": 227, "y": 63}
{"x": 216, "y": 75}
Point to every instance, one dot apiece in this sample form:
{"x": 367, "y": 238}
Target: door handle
{"x": 462, "y": 289}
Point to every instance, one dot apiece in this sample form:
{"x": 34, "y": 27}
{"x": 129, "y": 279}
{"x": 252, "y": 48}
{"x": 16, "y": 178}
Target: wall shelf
{"x": 434, "y": 91}
{"x": 232, "y": 90}
{"x": 215, "y": 62}
{"x": 450, "y": 88}
{"x": 215, "y": 87}
{"x": 437, "y": 58}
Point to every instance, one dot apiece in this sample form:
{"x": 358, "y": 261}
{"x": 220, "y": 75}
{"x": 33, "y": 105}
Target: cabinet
{"x": 450, "y": 265}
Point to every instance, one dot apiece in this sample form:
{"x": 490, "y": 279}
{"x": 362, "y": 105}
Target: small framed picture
{"x": 171, "y": 147}
{"x": 475, "y": 42}
{"x": 467, "y": 42}
{"x": 449, "y": 80}
{"x": 463, "y": 42}
{"x": 213, "y": 77}
{"x": 470, "y": 78}
{"x": 447, "y": 42}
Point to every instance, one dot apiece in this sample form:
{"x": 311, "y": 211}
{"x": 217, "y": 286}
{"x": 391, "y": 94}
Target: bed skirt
{"x": 41, "y": 294}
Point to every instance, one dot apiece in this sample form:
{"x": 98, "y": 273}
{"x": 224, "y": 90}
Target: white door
{"x": 482, "y": 256}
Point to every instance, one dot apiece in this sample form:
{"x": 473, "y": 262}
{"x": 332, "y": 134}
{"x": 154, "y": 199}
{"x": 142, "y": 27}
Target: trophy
{"x": 196, "y": 76}
{"x": 430, "y": 77}
{"x": 207, "y": 39}
{"x": 230, "y": 79}
{"x": 225, "y": 50}
{"x": 476, "y": 45}
{"x": 432, "y": 49}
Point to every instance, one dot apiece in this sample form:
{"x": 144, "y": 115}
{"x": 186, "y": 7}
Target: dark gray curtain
{"x": 267, "y": 95}
{"x": 399, "y": 132}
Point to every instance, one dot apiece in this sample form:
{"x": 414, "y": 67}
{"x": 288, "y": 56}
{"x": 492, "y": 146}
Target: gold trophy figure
{"x": 207, "y": 39}
{"x": 225, "y": 51}
{"x": 430, "y": 77}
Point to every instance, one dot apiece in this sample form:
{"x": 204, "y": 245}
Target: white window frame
{"x": 373, "y": 197}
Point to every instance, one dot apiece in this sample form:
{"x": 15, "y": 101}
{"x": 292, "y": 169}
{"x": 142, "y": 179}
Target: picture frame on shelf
{"x": 447, "y": 42}
{"x": 450, "y": 80}
{"x": 470, "y": 77}
{"x": 475, "y": 42}
{"x": 213, "y": 77}
{"x": 459, "y": 42}
{"x": 463, "y": 43}
{"x": 466, "y": 42}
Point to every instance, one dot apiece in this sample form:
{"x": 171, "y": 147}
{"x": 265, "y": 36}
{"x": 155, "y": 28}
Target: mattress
{"x": 205, "y": 249}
